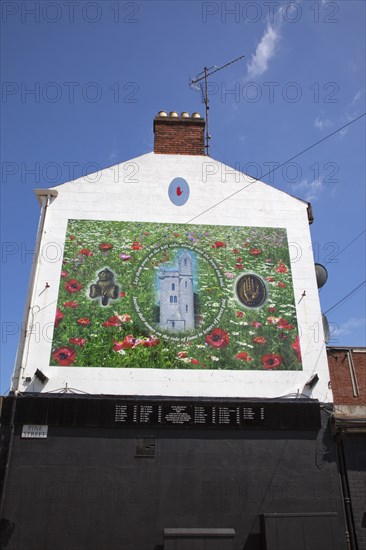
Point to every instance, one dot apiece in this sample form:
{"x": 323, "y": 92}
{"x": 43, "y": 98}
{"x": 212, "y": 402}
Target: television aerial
{"x": 202, "y": 79}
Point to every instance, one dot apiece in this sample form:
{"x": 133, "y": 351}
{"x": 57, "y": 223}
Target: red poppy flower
{"x": 84, "y": 321}
{"x": 281, "y": 268}
{"x": 71, "y": 304}
{"x": 236, "y": 251}
{"x": 150, "y": 342}
{"x": 77, "y": 341}
{"x": 240, "y": 314}
{"x": 136, "y": 246}
{"x": 259, "y": 340}
{"x": 271, "y": 361}
{"x": 246, "y": 244}
{"x": 195, "y": 362}
{"x": 64, "y": 274}
{"x": 270, "y": 279}
{"x": 256, "y": 324}
{"x": 85, "y": 252}
{"x": 122, "y": 294}
{"x": 272, "y": 320}
{"x": 182, "y": 354}
{"x": 239, "y": 260}
{"x": 243, "y": 356}
{"x": 239, "y": 266}
{"x": 117, "y": 346}
{"x": 72, "y": 285}
{"x": 283, "y": 324}
{"x": 105, "y": 247}
{"x": 296, "y": 347}
{"x": 255, "y": 251}
{"x": 113, "y": 321}
{"x": 218, "y": 338}
{"x": 72, "y": 237}
{"x": 59, "y": 317}
{"x": 64, "y": 356}
{"x": 219, "y": 244}
{"x": 282, "y": 285}
{"x": 271, "y": 309}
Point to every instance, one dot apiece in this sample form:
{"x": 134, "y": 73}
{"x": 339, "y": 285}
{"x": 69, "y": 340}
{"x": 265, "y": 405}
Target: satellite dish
{"x": 326, "y": 329}
{"x": 321, "y": 275}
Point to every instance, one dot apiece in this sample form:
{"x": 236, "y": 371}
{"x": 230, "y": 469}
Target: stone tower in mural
{"x": 176, "y": 296}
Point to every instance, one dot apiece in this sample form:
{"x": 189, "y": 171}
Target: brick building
{"x": 347, "y": 368}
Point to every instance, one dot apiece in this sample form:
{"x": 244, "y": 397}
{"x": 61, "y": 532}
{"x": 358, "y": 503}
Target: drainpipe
{"x": 44, "y": 196}
{"x": 351, "y": 534}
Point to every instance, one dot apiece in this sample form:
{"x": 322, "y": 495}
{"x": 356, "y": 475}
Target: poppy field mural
{"x": 169, "y": 296}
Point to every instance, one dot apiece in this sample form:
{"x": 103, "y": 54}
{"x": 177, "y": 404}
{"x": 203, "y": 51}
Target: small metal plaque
{"x": 251, "y": 290}
{"x": 34, "y": 431}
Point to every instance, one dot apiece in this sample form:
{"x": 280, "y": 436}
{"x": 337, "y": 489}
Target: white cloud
{"x": 265, "y": 50}
{"x": 308, "y": 190}
{"x": 322, "y": 123}
{"x": 349, "y": 326}
{"x": 357, "y": 96}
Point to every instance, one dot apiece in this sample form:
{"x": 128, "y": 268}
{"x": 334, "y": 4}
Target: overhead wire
{"x": 277, "y": 167}
{"x": 345, "y": 298}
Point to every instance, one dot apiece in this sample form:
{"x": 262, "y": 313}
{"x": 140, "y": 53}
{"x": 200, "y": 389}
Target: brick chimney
{"x": 179, "y": 135}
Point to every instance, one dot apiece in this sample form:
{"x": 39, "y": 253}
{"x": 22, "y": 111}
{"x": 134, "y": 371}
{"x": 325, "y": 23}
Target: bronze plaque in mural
{"x": 251, "y": 290}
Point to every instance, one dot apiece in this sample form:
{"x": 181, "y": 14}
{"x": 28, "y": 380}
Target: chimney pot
{"x": 179, "y": 135}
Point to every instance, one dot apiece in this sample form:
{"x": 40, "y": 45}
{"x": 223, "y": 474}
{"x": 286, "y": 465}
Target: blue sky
{"x": 82, "y": 82}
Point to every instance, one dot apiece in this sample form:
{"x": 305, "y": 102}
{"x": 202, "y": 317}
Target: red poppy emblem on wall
{"x": 218, "y": 338}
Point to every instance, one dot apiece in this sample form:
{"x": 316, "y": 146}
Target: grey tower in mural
{"x": 176, "y": 296}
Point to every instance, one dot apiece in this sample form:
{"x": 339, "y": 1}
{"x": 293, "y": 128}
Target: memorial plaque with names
{"x": 204, "y": 415}
{"x": 252, "y": 416}
{"x": 150, "y": 414}
{"x": 178, "y": 414}
{"x": 228, "y": 416}
{"x": 125, "y": 413}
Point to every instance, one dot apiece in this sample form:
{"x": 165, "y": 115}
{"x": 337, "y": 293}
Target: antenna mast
{"x": 208, "y": 71}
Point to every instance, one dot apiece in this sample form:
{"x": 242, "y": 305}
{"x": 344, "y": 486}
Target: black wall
{"x": 355, "y": 461}
{"x": 109, "y": 488}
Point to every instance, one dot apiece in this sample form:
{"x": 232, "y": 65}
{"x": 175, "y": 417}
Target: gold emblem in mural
{"x": 251, "y": 290}
{"x": 105, "y": 287}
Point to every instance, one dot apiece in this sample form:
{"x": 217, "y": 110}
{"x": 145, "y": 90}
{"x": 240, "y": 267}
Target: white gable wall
{"x": 114, "y": 196}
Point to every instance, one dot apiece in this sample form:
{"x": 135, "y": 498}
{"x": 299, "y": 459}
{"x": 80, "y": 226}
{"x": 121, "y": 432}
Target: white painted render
{"x": 137, "y": 190}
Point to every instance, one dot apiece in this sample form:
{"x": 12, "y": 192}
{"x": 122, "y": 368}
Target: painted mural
{"x": 167, "y": 296}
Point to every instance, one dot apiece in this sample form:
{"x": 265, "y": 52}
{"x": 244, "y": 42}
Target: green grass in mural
{"x": 126, "y": 332}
